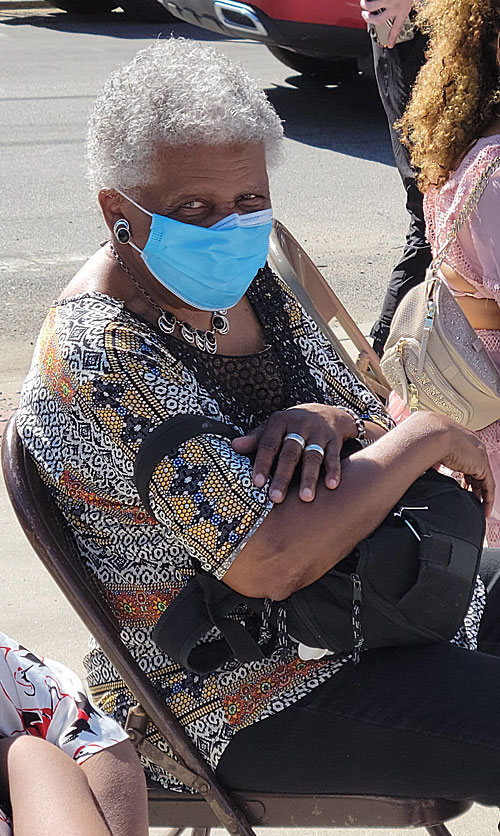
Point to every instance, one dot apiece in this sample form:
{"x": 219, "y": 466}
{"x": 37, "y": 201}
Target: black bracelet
{"x": 365, "y": 442}
{"x": 360, "y": 424}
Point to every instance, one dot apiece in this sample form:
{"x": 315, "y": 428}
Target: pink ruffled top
{"x": 475, "y": 255}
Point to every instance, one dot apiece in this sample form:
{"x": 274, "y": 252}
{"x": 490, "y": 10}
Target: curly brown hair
{"x": 454, "y": 98}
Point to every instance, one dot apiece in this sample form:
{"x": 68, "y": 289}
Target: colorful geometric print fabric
{"x": 100, "y": 381}
{"x": 206, "y": 494}
{"x": 45, "y": 699}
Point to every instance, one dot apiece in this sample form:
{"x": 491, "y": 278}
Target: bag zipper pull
{"x": 408, "y": 523}
{"x": 403, "y": 508}
{"x": 401, "y": 514}
{"x": 410, "y": 391}
{"x": 428, "y": 326}
{"x": 357, "y": 600}
{"x": 413, "y": 398}
{"x": 404, "y": 381}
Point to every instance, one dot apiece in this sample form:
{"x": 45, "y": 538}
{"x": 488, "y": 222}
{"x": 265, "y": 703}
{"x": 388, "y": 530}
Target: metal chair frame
{"x": 289, "y": 259}
{"x": 210, "y": 804}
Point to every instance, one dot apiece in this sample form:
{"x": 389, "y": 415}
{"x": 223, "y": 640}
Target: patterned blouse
{"x": 102, "y": 379}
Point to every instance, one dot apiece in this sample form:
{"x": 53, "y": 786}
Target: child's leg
{"x": 5, "y": 829}
{"x": 116, "y": 778}
{"x": 50, "y": 793}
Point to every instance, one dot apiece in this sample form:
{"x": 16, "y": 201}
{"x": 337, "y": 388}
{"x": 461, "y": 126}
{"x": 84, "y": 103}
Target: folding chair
{"x": 210, "y": 805}
{"x": 299, "y": 272}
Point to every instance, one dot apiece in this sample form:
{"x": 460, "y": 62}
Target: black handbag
{"x": 410, "y": 582}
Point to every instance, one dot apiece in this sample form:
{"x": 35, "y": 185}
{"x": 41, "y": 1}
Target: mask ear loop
{"x": 121, "y": 228}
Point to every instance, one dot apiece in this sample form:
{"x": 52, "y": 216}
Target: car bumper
{"x": 314, "y": 39}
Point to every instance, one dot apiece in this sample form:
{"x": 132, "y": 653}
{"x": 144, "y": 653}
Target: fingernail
{"x": 331, "y": 483}
{"x": 259, "y": 480}
{"x": 306, "y": 494}
{"x": 275, "y": 496}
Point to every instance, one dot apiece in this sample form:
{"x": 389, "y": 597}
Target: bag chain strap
{"x": 466, "y": 211}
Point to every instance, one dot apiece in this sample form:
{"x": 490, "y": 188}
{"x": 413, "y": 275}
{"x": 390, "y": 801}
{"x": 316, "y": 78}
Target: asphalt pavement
{"x": 338, "y": 192}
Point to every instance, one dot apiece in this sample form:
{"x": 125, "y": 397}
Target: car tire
{"x": 147, "y": 11}
{"x": 335, "y": 69}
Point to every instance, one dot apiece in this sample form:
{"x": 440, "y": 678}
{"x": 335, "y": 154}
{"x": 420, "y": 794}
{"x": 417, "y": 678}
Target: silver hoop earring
{"x": 121, "y": 230}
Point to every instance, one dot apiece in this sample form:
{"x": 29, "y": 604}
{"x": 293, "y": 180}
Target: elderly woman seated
{"x": 179, "y": 313}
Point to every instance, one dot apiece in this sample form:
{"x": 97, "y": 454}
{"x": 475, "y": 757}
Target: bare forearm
{"x": 299, "y": 542}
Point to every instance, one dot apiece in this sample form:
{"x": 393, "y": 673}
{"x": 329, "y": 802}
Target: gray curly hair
{"x": 175, "y": 92}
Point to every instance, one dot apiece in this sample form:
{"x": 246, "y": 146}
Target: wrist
{"x": 436, "y": 429}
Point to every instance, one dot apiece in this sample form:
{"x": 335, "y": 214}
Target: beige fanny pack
{"x": 433, "y": 357}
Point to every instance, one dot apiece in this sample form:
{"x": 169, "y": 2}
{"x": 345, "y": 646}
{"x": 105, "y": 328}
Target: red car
{"x": 311, "y": 36}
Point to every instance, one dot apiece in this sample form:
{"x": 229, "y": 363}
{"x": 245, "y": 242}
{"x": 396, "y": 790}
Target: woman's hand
{"x": 380, "y": 11}
{"x": 466, "y": 453}
{"x": 317, "y": 424}
{"x": 458, "y": 449}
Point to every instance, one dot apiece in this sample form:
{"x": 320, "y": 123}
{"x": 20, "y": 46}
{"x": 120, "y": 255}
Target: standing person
{"x": 396, "y": 68}
{"x": 65, "y": 767}
{"x": 452, "y": 127}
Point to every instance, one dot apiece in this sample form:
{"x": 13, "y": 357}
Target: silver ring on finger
{"x": 316, "y": 448}
{"x": 295, "y": 437}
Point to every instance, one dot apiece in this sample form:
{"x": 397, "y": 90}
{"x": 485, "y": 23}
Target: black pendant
{"x": 220, "y": 323}
{"x": 200, "y": 339}
{"x": 210, "y": 342}
{"x": 188, "y": 332}
{"x": 167, "y": 322}
{"x": 203, "y": 340}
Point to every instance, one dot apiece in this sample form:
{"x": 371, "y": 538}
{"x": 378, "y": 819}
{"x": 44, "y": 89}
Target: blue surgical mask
{"x": 210, "y": 269}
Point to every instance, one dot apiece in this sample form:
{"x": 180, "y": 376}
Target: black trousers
{"x": 395, "y": 71}
{"x": 418, "y": 722}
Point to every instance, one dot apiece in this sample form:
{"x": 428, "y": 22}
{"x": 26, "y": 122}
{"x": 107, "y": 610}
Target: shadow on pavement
{"x": 346, "y": 117}
{"x": 112, "y": 25}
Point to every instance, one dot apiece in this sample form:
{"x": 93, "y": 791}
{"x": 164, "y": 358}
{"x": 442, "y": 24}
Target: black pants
{"x": 395, "y": 71}
{"x": 418, "y": 722}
